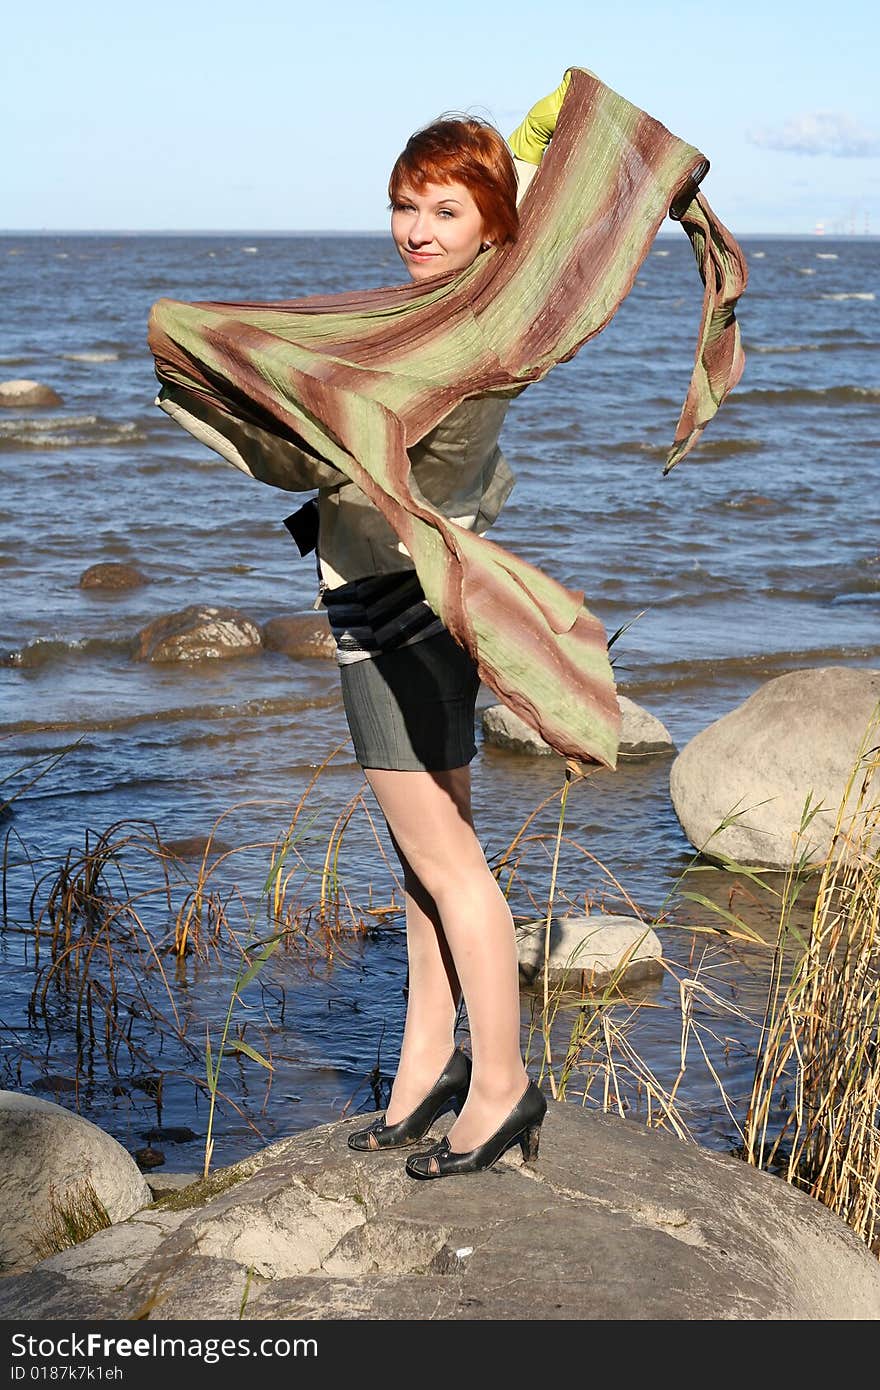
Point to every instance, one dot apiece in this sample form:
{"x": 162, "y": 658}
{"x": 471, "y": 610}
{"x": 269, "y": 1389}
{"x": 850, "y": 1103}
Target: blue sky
{"x": 287, "y": 116}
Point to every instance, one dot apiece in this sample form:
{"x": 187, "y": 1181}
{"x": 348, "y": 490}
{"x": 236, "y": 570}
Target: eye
{"x": 401, "y": 207}
{"x": 445, "y": 212}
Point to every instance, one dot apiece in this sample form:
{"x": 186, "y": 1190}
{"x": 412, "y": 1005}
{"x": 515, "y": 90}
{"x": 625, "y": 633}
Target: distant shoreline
{"x": 5, "y": 233}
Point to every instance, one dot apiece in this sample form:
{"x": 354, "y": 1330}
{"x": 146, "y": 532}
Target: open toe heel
{"x": 522, "y": 1126}
{"x": 450, "y": 1088}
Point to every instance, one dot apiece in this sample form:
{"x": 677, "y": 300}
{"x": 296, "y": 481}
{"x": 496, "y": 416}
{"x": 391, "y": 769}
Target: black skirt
{"x": 412, "y": 709}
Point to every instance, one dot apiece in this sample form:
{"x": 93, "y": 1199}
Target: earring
{"x": 486, "y": 246}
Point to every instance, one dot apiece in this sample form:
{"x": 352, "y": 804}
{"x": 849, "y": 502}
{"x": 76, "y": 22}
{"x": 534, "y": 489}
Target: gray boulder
{"x": 46, "y": 1149}
{"x": 614, "y": 1220}
{"x": 300, "y": 636}
{"x": 797, "y": 736}
{"x": 198, "y": 634}
{"x": 21, "y": 395}
{"x": 641, "y": 733}
{"x": 591, "y": 950}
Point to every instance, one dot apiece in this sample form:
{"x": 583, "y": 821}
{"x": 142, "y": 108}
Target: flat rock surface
{"x": 614, "y": 1221}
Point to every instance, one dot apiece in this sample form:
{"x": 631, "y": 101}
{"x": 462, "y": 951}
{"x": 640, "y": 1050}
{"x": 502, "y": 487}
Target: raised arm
{"x": 533, "y": 134}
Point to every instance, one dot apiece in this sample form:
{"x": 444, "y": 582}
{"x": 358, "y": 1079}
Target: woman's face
{"x": 436, "y": 230}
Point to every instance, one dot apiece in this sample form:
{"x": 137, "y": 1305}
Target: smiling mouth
{"x": 421, "y": 255}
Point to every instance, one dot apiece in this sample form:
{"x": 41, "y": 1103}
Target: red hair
{"x": 462, "y": 149}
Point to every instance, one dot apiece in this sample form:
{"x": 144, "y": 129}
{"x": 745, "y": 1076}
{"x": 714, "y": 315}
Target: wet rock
{"x": 197, "y": 634}
{"x": 797, "y": 736}
{"x": 171, "y": 1134}
{"x": 46, "y": 1150}
{"x": 590, "y": 950}
{"x": 22, "y": 395}
{"x": 55, "y": 1084}
{"x": 300, "y": 637}
{"x": 149, "y": 1157}
{"x": 195, "y": 847}
{"x": 112, "y": 575}
{"x": 641, "y": 733}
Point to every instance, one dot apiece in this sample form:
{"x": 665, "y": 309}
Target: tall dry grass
{"x": 814, "y": 1110}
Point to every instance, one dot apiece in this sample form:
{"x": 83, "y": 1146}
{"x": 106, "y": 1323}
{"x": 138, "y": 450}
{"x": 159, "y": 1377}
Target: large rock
{"x": 591, "y": 950}
{"x": 641, "y": 733}
{"x": 21, "y": 395}
{"x": 111, "y": 574}
{"x": 797, "y": 736}
{"x": 198, "y": 634}
{"x": 613, "y": 1221}
{"x": 304, "y": 636}
{"x": 45, "y": 1148}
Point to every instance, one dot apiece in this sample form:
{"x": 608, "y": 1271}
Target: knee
{"x": 440, "y": 876}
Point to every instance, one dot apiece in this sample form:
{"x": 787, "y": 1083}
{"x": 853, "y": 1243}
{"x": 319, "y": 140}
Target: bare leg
{"x": 429, "y": 816}
{"x": 432, "y": 1002}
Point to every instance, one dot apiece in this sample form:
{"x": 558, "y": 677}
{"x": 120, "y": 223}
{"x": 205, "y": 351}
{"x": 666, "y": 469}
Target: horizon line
{"x": 348, "y": 232}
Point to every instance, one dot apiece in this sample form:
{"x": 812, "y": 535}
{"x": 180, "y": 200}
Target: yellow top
{"x": 533, "y": 134}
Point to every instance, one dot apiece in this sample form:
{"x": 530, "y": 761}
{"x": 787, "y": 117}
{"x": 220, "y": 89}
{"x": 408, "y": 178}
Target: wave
{"x": 251, "y": 250}
{"x": 707, "y": 448}
{"x": 782, "y": 347}
{"x": 90, "y": 356}
{"x": 757, "y": 255}
{"x": 804, "y": 395}
{"x": 754, "y": 502}
{"x": 806, "y": 270}
{"x": 712, "y": 671}
{"x": 865, "y": 294}
{"x": 846, "y": 344}
{"x": 244, "y": 709}
{"x": 67, "y": 432}
{"x": 45, "y": 651}
{"x": 826, "y": 255}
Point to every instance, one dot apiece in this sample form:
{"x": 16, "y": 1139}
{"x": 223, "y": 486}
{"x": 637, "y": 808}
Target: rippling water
{"x": 758, "y": 554}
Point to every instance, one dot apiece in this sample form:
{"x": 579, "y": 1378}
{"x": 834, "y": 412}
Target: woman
{"x": 326, "y": 394}
{"x": 409, "y": 692}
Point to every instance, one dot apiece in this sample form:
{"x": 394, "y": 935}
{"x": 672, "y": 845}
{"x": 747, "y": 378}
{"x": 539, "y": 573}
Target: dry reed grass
{"x": 73, "y": 1216}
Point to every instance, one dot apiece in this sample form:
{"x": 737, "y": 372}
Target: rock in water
{"x": 21, "y": 395}
{"x": 641, "y": 733}
{"x": 45, "y": 1148}
{"x": 797, "y": 736}
{"x": 198, "y": 634}
{"x": 595, "y": 949}
{"x": 112, "y": 575}
{"x": 300, "y": 636}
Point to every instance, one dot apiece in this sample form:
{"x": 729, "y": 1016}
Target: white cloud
{"x": 820, "y": 132}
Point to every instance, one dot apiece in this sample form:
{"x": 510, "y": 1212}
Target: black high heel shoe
{"x": 452, "y": 1083}
{"x": 522, "y": 1126}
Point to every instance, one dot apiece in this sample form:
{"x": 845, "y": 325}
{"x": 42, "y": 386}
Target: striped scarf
{"x": 359, "y": 378}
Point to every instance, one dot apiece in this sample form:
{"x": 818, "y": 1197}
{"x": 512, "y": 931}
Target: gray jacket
{"x": 457, "y": 468}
